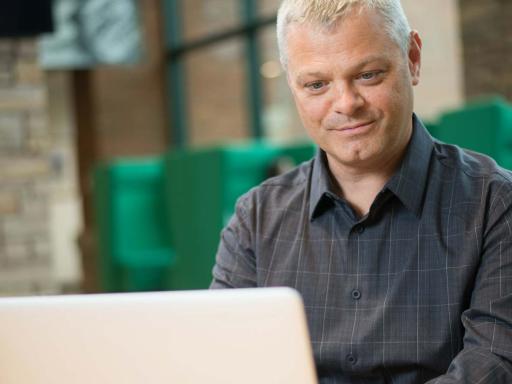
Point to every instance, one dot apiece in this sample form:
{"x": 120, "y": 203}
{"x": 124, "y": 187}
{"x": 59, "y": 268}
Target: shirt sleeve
{"x": 235, "y": 265}
{"x": 486, "y": 356}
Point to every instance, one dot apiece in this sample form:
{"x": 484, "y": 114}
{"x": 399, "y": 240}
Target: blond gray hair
{"x": 328, "y": 13}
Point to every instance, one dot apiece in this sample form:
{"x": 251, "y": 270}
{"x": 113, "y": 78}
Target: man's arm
{"x": 487, "y": 353}
{"x": 235, "y": 265}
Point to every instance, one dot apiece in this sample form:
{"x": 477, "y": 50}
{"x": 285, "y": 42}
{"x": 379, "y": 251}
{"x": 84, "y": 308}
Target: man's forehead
{"x": 317, "y": 68}
{"x": 349, "y": 34}
{"x": 353, "y": 43}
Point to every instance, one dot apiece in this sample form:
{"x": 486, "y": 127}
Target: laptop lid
{"x": 190, "y": 337}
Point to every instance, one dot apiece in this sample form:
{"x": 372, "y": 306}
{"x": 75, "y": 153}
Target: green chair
{"x": 483, "y": 126}
{"x": 131, "y": 215}
{"x": 204, "y": 185}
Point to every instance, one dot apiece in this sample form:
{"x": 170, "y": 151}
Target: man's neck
{"x": 360, "y": 186}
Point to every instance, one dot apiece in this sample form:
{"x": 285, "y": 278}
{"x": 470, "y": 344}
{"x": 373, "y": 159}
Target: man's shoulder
{"x": 296, "y": 177}
{"x": 281, "y": 189}
{"x": 471, "y": 164}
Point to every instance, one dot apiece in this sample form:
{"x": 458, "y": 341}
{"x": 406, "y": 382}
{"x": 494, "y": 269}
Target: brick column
{"x": 487, "y": 43}
{"x": 25, "y": 172}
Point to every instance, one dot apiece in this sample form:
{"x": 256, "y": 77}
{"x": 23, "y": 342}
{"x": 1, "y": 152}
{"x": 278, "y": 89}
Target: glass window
{"x": 280, "y": 119}
{"x": 268, "y": 7}
{"x": 205, "y": 17}
{"x": 217, "y": 95}
{"x": 225, "y": 82}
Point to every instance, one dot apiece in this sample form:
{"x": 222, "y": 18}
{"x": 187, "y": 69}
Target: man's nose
{"x": 347, "y": 100}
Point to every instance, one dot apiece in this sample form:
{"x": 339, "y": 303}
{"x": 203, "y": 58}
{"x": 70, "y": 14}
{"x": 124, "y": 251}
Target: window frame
{"x": 251, "y": 23}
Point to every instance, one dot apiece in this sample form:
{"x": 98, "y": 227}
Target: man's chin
{"x": 355, "y": 159}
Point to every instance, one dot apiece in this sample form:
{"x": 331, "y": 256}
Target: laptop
{"x": 249, "y": 336}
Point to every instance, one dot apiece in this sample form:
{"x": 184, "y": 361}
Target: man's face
{"x": 353, "y": 89}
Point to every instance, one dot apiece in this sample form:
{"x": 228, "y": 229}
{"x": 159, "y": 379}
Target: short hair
{"x": 328, "y": 13}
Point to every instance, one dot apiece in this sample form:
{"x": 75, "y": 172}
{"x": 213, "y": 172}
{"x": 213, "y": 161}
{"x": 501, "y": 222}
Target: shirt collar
{"x": 407, "y": 184}
{"x": 321, "y": 185}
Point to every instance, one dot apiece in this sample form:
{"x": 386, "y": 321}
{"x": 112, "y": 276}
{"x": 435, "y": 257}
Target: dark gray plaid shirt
{"x": 420, "y": 289}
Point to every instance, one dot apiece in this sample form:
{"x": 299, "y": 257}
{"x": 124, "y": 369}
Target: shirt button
{"x": 360, "y": 229}
{"x": 351, "y": 359}
{"x": 356, "y": 294}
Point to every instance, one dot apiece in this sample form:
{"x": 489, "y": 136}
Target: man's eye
{"x": 369, "y": 75}
{"x": 315, "y": 86}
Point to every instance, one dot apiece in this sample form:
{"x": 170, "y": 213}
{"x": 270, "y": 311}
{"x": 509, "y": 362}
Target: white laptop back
{"x": 250, "y": 336}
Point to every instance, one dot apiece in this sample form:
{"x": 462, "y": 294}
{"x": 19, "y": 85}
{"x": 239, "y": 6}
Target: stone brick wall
{"x": 487, "y": 40}
{"x": 25, "y": 172}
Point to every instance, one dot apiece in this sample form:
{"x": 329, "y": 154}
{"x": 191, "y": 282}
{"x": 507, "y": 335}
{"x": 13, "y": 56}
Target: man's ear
{"x": 414, "y": 56}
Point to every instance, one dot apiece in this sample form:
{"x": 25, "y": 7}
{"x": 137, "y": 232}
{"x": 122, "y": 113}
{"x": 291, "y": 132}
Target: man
{"x": 400, "y": 245}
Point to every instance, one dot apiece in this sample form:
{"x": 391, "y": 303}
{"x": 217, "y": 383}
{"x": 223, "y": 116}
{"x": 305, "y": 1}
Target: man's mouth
{"x": 353, "y": 127}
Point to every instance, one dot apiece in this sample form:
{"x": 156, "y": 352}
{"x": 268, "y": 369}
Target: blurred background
{"x": 128, "y": 128}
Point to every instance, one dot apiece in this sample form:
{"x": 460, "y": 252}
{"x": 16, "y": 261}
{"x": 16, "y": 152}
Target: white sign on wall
{"x": 91, "y": 32}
